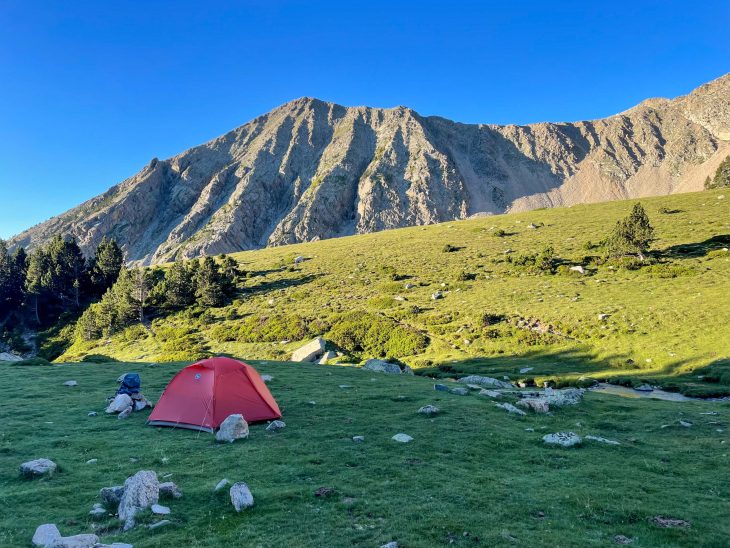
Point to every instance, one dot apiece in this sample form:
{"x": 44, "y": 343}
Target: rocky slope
{"x": 310, "y": 169}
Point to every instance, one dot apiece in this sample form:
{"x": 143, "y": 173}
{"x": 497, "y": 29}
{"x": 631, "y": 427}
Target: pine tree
{"x": 209, "y": 284}
{"x": 632, "y": 235}
{"x": 179, "y": 286}
{"x": 722, "y": 176}
{"x": 229, "y": 273}
{"x": 105, "y": 266}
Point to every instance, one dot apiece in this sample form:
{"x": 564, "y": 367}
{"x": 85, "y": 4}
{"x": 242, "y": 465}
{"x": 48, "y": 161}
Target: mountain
{"x": 311, "y": 170}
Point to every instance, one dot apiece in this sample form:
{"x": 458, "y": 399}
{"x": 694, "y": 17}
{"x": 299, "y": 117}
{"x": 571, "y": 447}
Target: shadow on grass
{"x": 278, "y": 284}
{"x": 697, "y": 249}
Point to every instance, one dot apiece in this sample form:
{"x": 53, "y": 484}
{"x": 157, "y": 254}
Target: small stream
{"x": 625, "y": 392}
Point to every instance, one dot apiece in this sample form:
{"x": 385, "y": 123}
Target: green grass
{"x": 668, "y": 320}
{"x": 472, "y": 469}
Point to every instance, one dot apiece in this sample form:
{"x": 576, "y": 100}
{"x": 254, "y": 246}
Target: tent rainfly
{"x": 202, "y": 395}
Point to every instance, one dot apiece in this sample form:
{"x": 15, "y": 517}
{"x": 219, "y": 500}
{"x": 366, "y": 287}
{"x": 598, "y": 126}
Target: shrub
{"x": 499, "y": 233}
{"x": 488, "y": 319}
{"x": 33, "y": 361}
{"x": 382, "y": 302}
{"x": 466, "y": 277}
{"x": 376, "y": 336}
{"x": 448, "y": 248}
{"x": 97, "y": 358}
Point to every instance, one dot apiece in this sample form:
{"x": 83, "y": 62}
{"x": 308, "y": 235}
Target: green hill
{"x": 665, "y": 320}
{"x": 474, "y": 475}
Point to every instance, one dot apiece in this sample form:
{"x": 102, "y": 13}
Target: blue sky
{"x": 91, "y": 91}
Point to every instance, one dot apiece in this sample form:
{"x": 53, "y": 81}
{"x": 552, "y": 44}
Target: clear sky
{"x": 90, "y": 91}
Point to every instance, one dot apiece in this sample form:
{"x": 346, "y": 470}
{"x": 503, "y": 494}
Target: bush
{"x": 97, "y": 358}
{"x": 499, "y": 233}
{"x": 448, "y": 248}
{"x": 264, "y": 328}
{"x": 466, "y": 277}
{"x": 382, "y": 302}
{"x": 376, "y": 336}
{"x": 33, "y": 361}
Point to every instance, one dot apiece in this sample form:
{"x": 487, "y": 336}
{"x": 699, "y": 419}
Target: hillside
{"x": 666, "y": 320}
{"x": 312, "y": 170}
{"x": 473, "y": 475}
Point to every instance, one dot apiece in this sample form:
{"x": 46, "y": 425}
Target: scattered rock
{"x": 275, "y": 426}
{"x": 46, "y": 535}
{"x": 603, "y": 440}
{"x": 437, "y": 295}
{"x": 645, "y": 388}
{"x": 92, "y": 461}
{"x": 70, "y": 383}
{"x": 409, "y": 286}
{"x": 97, "y": 511}
{"x": 345, "y": 386}
{"x": 511, "y": 408}
{"x": 327, "y": 356}
{"x": 621, "y": 539}
{"x": 603, "y": 317}
{"x": 310, "y": 352}
{"x": 460, "y": 391}
{"x": 561, "y": 398}
{"x": 159, "y": 524}
{"x": 111, "y": 496}
{"x": 538, "y": 405}
{"x": 526, "y": 370}
{"x": 564, "y": 439}
{"x": 267, "y": 378}
{"x": 324, "y": 492}
{"x": 124, "y": 414}
{"x": 233, "y": 428}
{"x": 392, "y": 544}
{"x": 684, "y": 423}
{"x": 579, "y": 269}
{"x": 170, "y": 491}
{"x": 407, "y": 370}
{"x": 402, "y": 438}
{"x": 8, "y": 357}
{"x": 298, "y": 260}
{"x": 92, "y": 414}
{"x": 220, "y": 485}
{"x": 669, "y": 523}
{"x": 382, "y": 366}
{"x": 114, "y": 545}
{"x": 490, "y": 393}
{"x": 358, "y": 439}
{"x": 119, "y": 403}
{"x": 429, "y": 410}
{"x": 38, "y": 467}
{"x": 160, "y": 510}
{"x": 76, "y": 541}
{"x": 485, "y": 381}
{"x": 440, "y": 388}
{"x": 241, "y": 496}
{"x": 141, "y": 491}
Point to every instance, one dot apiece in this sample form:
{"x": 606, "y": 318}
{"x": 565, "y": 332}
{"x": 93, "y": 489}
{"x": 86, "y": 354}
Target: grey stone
{"x": 604, "y": 317}
{"x": 111, "y": 496}
{"x": 358, "y": 439}
{"x": 526, "y": 370}
{"x": 70, "y": 383}
{"x": 92, "y": 414}
{"x": 233, "y": 428}
{"x": 221, "y": 484}
{"x": 538, "y": 405}
{"x": 485, "y": 381}
{"x": 402, "y": 438}
{"x": 684, "y": 423}
{"x": 382, "y": 366}
{"x": 141, "y": 491}
{"x": 561, "y": 398}
{"x": 310, "y": 352}
{"x": 564, "y": 439}
{"x": 429, "y": 410}
{"x": 160, "y": 510}
{"x": 124, "y": 414}
{"x": 578, "y": 268}
{"x": 38, "y": 467}
{"x": 241, "y": 496}
{"x": 92, "y": 461}
{"x": 490, "y": 393}
{"x": 602, "y": 440}
{"x": 275, "y": 426}
{"x": 460, "y": 391}
{"x": 169, "y": 490}
{"x": 440, "y": 388}
{"x": 46, "y": 535}
{"x": 267, "y": 378}
{"x": 437, "y": 295}
{"x": 644, "y": 388}
{"x": 392, "y": 544}
{"x": 97, "y": 511}
{"x": 407, "y": 370}
{"x": 511, "y": 408}
{"x": 76, "y": 541}
{"x": 119, "y": 403}
{"x": 327, "y": 356}
{"x": 159, "y": 524}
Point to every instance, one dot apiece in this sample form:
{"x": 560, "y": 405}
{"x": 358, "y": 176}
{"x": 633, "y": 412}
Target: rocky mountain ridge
{"x": 310, "y": 170}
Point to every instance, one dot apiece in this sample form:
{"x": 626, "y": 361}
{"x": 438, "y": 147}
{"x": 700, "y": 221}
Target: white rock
{"x": 119, "y": 403}
{"x": 358, "y": 439}
{"x": 437, "y": 295}
{"x": 402, "y": 438}
{"x": 684, "y": 423}
{"x": 526, "y": 370}
{"x": 92, "y": 461}
{"x": 603, "y": 317}
{"x": 511, "y": 408}
{"x": 267, "y": 378}
{"x": 38, "y": 467}
{"x": 485, "y": 381}
{"x": 221, "y": 484}
{"x": 429, "y": 410}
{"x": 382, "y": 366}
{"x": 141, "y": 491}
{"x": 46, "y": 535}
{"x": 392, "y": 544}
{"x": 160, "y": 510}
{"x": 70, "y": 383}
{"x": 578, "y": 269}
{"x": 565, "y": 439}
{"x": 603, "y": 440}
{"x": 97, "y": 511}
{"x": 241, "y": 496}
{"x": 310, "y": 352}
{"x": 233, "y": 428}
{"x": 159, "y": 524}
{"x": 91, "y": 414}
{"x": 275, "y": 426}
{"x": 76, "y": 541}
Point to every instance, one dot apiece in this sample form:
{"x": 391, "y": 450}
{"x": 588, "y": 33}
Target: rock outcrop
{"x": 311, "y": 170}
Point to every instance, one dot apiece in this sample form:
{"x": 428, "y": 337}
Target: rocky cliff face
{"x": 310, "y": 169}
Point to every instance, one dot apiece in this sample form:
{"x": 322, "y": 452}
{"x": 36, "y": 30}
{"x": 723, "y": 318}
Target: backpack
{"x": 130, "y": 384}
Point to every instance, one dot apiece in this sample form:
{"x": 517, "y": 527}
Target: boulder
{"x": 490, "y": 393}
{"x": 160, "y": 510}
{"x": 440, "y": 388}
{"x": 141, "y": 491}
{"x": 233, "y": 428}
{"x": 169, "y": 490}
{"x": 392, "y": 544}
{"x": 92, "y": 461}
{"x": 76, "y": 541}
{"x": 402, "y": 438}
{"x": 8, "y": 357}
{"x": 275, "y": 426}
{"x": 382, "y": 366}
{"x": 97, "y": 511}
{"x": 511, "y": 409}
{"x": 220, "y": 485}
{"x": 407, "y": 370}
{"x": 460, "y": 391}
{"x": 111, "y": 496}
{"x": 310, "y": 352}
{"x": 485, "y": 381}
{"x": 327, "y": 356}
{"x": 561, "y": 398}
{"x": 603, "y": 317}
{"x": 429, "y": 410}
{"x": 46, "y": 535}
{"x": 119, "y": 403}
{"x": 38, "y": 467}
{"x": 538, "y": 405}
{"x": 241, "y": 496}
{"x": 70, "y": 383}
{"x": 564, "y": 439}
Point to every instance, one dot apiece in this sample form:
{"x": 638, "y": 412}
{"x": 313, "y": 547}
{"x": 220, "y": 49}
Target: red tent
{"x": 202, "y": 395}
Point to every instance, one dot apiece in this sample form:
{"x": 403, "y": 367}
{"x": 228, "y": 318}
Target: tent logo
{"x": 197, "y": 376}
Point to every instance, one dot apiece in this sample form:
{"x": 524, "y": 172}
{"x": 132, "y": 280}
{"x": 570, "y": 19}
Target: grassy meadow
{"x": 473, "y": 476}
